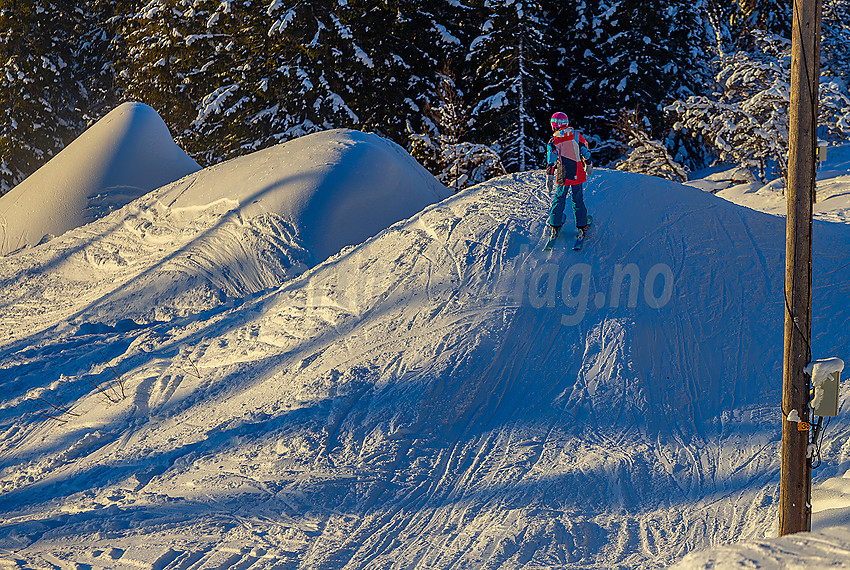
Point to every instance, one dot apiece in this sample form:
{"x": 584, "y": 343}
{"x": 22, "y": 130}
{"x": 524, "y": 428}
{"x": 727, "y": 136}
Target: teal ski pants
{"x": 559, "y": 203}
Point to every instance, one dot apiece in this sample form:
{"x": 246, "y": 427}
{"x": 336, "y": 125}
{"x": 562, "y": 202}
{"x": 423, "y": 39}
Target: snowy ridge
{"x": 432, "y": 398}
{"x": 121, "y": 157}
{"x": 335, "y": 187}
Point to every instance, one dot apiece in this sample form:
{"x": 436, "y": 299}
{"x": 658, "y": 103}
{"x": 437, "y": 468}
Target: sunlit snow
{"x": 314, "y": 357}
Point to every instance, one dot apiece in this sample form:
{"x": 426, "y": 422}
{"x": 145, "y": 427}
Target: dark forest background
{"x": 463, "y": 84}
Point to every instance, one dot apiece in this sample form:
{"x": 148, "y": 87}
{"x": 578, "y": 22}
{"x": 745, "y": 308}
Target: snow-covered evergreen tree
{"x": 836, "y": 38}
{"x": 96, "y": 56}
{"x": 39, "y": 94}
{"x": 515, "y": 95}
{"x": 645, "y": 155}
{"x": 745, "y": 120}
{"x": 234, "y": 75}
{"x": 455, "y": 162}
{"x": 772, "y": 16}
{"x": 717, "y": 15}
{"x": 152, "y": 45}
{"x": 284, "y": 74}
{"x": 628, "y": 54}
{"x": 403, "y": 43}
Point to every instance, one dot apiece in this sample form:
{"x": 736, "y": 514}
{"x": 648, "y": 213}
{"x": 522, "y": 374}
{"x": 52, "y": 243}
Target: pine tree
{"x": 403, "y": 45}
{"x": 233, "y": 76}
{"x": 647, "y": 156}
{"x": 39, "y": 95}
{"x": 745, "y": 119}
{"x": 95, "y": 47}
{"x": 718, "y": 15}
{"x": 154, "y": 50}
{"x": 772, "y": 16}
{"x": 836, "y": 38}
{"x": 515, "y": 91}
{"x": 442, "y": 148}
{"x": 629, "y": 54}
{"x": 277, "y": 74}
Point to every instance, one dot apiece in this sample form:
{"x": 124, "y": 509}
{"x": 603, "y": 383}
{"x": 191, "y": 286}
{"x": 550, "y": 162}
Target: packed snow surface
{"x": 124, "y": 155}
{"x": 441, "y": 395}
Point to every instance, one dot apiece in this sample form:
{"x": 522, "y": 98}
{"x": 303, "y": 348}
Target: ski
{"x": 551, "y": 241}
{"x": 579, "y": 240}
{"x": 581, "y": 235}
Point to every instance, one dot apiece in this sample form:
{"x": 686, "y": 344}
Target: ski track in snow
{"x": 403, "y": 404}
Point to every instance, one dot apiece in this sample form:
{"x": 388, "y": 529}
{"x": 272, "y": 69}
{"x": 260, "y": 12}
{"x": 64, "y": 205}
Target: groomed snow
{"x": 442, "y": 395}
{"x": 121, "y": 157}
{"x": 233, "y": 229}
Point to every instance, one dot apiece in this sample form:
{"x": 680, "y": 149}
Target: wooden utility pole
{"x": 796, "y": 476}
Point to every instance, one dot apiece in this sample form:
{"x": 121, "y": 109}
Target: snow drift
{"x": 442, "y": 395}
{"x": 336, "y": 187}
{"x": 124, "y": 155}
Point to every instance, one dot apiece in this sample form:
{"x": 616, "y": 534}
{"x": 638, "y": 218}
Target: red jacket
{"x": 567, "y": 143}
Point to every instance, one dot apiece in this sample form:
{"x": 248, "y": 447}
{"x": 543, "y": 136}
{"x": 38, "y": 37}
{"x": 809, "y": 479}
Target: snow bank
{"x": 833, "y": 188}
{"x": 829, "y": 549}
{"x": 230, "y": 230}
{"x": 336, "y": 187}
{"x": 717, "y": 181}
{"x": 827, "y": 546}
{"x": 124, "y": 155}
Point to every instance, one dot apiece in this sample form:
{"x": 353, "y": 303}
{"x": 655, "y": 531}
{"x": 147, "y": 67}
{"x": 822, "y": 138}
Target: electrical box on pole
{"x": 822, "y": 148}
{"x": 826, "y": 377}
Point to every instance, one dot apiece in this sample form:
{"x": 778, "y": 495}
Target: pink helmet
{"x": 559, "y": 121}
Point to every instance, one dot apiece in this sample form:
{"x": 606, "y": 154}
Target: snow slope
{"x": 833, "y": 198}
{"x": 124, "y": 155}
{"x": 827, "y": 546}
{"x": 434, "y": 397}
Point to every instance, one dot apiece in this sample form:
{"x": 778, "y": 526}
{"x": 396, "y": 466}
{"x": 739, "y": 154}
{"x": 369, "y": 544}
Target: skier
{"x": 568, "y": 158}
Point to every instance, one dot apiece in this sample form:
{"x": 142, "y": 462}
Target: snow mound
{"x": 721, "y": 180}
{"x": 227, "y": 231}
{"x": 819, "y": 550}
{"x": 336, "y": 187}
{"x": 127, "y": 153}
{"x": 442, "y": 395}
